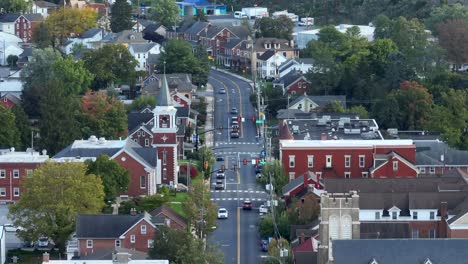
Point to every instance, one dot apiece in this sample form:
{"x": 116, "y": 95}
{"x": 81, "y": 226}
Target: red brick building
{"x": 164, "y": 215}
{"x": 14, "y": 167}
{"x": 349, "y": 158}
{"x": 20, "y": 25}
{"x": 96, "y": 233}
{"x": 214, "y": 38}
{"x": 293, "y": 83}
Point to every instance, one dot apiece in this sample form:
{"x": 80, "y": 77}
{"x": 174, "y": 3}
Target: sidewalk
{"x": 209, "y": 138}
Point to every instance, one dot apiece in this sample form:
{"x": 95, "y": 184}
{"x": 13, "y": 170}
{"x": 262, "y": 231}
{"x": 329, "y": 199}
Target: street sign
{"x": 258, "y": 121}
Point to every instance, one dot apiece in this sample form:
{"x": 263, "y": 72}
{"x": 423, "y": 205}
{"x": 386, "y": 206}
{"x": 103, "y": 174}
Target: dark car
{"x": 219, "y": 158}
{"x": 220, "y": 174}
{"x": 234, "y": 134}
{"x": 264, "y": 245}
{"x": 258, "y": 168}
{"x": 219, "y": 185}
{"x": 234, "y": 110}
{"x": 247, "y": 205}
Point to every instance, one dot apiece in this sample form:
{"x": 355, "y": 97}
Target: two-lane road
{"x": 236, "y": 236}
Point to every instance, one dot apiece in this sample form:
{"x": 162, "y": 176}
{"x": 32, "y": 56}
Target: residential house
{"x": 140, "y": 24}
{"x": 141, "y": 53}
{"x": 20, "y": 25}
{"x": 261, "y": 45}
{"x": 180, "y": 31}
{"x": 15, "y": 166}
{"x": 10, "y": 83}
{"x": 214, "y": 38}
{"x": 87, "y": 39}
{"x": 348, "y": 158}
{"x": 125, "y": 38}
{"x": 9, "y": 100}
{"x": 9, "y": 45}
{"x": 378, "y": 251}
{"x": 154, "y": 32}
{"x": 164, "y": 215}
{"x": 302, "y": 65}
{"x": 178, "y": 83}
{"x": 232, "y": 54}
{"x": 293, "y": 83}
{"x": 95, "y": 233}
{"x": 435, "y": 157}
{"x": 268, "y": 64}
{"x": 305, "y": 36}
{"x": 43, "y": 7}
{"x": 102, "y": 9}
{"x": 308, "y": 103}
{"x": 77, "y": 4}
{"x": 142, "y": 164}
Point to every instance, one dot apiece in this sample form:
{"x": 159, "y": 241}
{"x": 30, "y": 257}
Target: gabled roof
{"x": 394, "y": 155}
{"x": 399, "y": 250}
{"x": 260, "y": 43}
{"x": 289, "y": 78}
{"x": 266, "y": 55}
{"x": 136, "y": 119}
{"x": 104, "y": 225}
{"x": 152, "y": 27}
{"x": 169, "y": 212}
{"x": 45, "y": 4}
{"x": 34, "y": 17}
{"x": 126, "y": 36}
{"x": 11, "y": 98}
{"x": 90, "y": 33}
{"x": 321, "y": 100}
{"x": 429, "y": 152}
{"x": 298, "y": 182}
{"x": 232, "y": 43}
{"x": 285, "y": 132}
{"x": 142, "y": 47}
{"x": 240, "y": 31}
{"x": 197, "y": 27}
{"x": 9, "y": 17}
{"x": 182, "y": 112}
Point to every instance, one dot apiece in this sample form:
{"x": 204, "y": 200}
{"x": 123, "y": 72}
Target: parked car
{"x": 258, "y": 168}
{"x": 305, "y": 23}
{"x": 220, "y": 174}
{"x": 263, "y": 209}
{"x": 219, "y": 158}
{"x": 247, "y": 205}
{"x": 264, "y": 245}
{"x": 219, "y": 185}
{"x": 234, "y": 110}
{"x": 12, "y": 228}
{"x": 222, "y": 213}
{"x": 222, "y": 90}
{"x": 234, "y": 134}
{"x": 43, "y": 242}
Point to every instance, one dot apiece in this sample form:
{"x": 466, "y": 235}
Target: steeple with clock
{"x": 165, "y": 134}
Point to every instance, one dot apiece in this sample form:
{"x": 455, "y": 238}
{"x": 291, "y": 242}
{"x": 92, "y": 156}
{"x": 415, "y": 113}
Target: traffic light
{"x": 223, "y": 168}
{"x": 245, "y": 162}
{"x": 239, "y": 119}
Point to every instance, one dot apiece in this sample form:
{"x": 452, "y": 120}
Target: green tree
{"x": 41, "y": 36}
{"x": 201, "y": 212}
{"x": 67, "y": 21}
{"x": 111, "y": 65}
{"x": 181, "y": 247}
{"x": 103, "y": 115}
{"x": 334, "y": 107}
{"x": 23, "y": 125}
{"x": 360, "y": 110}
{"x": 58, "y": 126}
{"x": 179, "y": 57}
{"x": 41, "y": 211}
{"x": 274, "y": 171}
{"x": 115, "y": 179}
{"x": 277, "y": 244}
{"x": 14, "y": 6}
{"x": 143, "y": 101}
{"x": 200, "y": 77}
{"x": 165, "y": 12}
{"x": 121, "y": 18}
{"x": 445, "y": 13}
{"x": 268, "y": 27}
{"x": 9, "y": 134}
{"x": 145, "y": 204}
{"x": 206, "y": 160}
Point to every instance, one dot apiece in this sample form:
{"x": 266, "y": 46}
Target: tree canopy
{"x": 453, "y": 37}
{"x": 68, "y": 21}
{"x": 9, "y": 134}
{"x": 54, "y": 195}
{"x": 121, "y": 18}
{"x": 281, "y": 27}
{"x": 201, "y": 212}
{"x": 165, "y": 12}
{"x": 14, "y": 6}
{"x": 41, "y": 36}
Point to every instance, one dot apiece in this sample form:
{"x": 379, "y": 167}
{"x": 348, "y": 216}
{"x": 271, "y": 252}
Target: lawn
{"x": 175, "y": 202}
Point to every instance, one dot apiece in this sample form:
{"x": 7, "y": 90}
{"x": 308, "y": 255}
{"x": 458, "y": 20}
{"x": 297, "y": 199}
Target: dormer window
{"x": 267, "y": 45}
{"x": 277, "y": 46}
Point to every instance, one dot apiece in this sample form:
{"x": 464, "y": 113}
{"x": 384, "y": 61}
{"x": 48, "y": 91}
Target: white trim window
{"x": 347, "y": 162}
{"x": 394, "y": 215}
{"x": 365, "y": 174}
{"x": 2, "y": 173}
{"x": 142, "y": 182}
{"x": 16, "y": 173}
{"x": 310, "y": 161}
{"x": 432, "y": 170}
{"x": 292, "y": 161}
{"x": 150, "y": 243}
{"x": 395, "y": 165}
{"x": 132, "y": 239}
{"x": 422, "y": 170}
{"x": 89, "y": 243}
{"x": 432, "y": 215}
{"x": 16, "y": 191}
{"x": 377, "y": 215}
{"x": 292, "y": 176}
{"x": 362, "y": 161}
{"x": 147, "y": 142}
{"x": 415, "y": 215}
{"x": 347, "y": 175}
{"x": 117, "y": 243}
{"x": 143, "y": 229}
{"x": 328, "y": 161}
{"x": 2, "y": 192}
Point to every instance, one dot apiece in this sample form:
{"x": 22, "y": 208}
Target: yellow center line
{"x": 238, "y": 236}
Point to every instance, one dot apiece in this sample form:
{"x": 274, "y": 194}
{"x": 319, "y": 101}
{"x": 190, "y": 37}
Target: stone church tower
{"x": 339, "y": 220}
{"x": 165, "y": 135}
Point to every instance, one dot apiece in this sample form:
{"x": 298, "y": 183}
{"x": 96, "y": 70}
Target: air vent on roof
{"x": 92, "y": 138}
{"x": 102, "y": 141}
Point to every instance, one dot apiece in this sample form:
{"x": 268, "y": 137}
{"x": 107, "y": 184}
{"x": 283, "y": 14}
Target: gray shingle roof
{"x": 126, "y": 36}
{"x": 240, "y": 31}
{"x": 104, "y": 225}
{"x": 289, "y": 78}
{"x": 90, "y": 33}
{"x": 148, "y": 154}
{"x": 232, "y": 43}
{"x": 321, "y": 100}
{"x": 266, "y": 55}
{"x": 135, "y": 119}
{"x": 142, "y": 47}
{"x": 34, "y": 17}
{"x": 9, "y": 17}
{"x": 196, "y": 27}
{"x": 182, "y": 112}
{"x": 429, "y": 153}
{"x": 363, "y": 251}
{"x": 45, "y": 4}
{"x": 169, "y": 212}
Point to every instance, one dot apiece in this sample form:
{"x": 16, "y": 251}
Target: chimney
{"x": 443, "y": 210}
{"x": 323, "y": 136}
{"x": 133, "y": 211}
{"x": 45, "y": 257}
{"x": 301, "y": 238}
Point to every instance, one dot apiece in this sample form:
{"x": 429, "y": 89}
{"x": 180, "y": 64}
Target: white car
{"x": 305, "y": 23}
{"x": 11, "y": 228}
{"x": 43, "y": 242}
{"x": 222, "y": 213}
{"x": 263, "y": 209}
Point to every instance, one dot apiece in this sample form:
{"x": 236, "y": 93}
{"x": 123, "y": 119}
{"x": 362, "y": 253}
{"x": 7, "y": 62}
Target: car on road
{"x": 234, "y": 123}
{"x": 258, "y": 168}
{"x": 247, "y": 205}
{"x": 305, "y": 23}
{"x": 222, "y": 213}
{"x": 222, "y": 90}
{"x": 263, "y": 209}
{"x": 219, "y": 185}
{"x": 12, "y": 228}
{"x": 234, "y": 134}
{"x": 220, "y": 174}
{"x": 234, "y": 110}
{"x": 219, "y": 158}
{"x": 264, "y": 245}
{"x": 43, "y": 242}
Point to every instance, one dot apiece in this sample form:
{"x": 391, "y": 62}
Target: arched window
{"x": 346, "y": 227}
{"x": 334, "y": 227}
